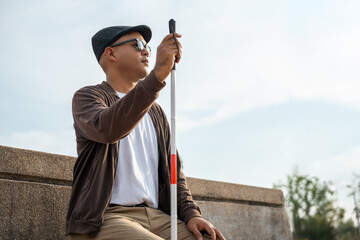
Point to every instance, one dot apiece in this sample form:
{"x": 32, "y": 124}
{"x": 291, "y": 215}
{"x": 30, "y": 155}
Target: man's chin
{"x": 145, "y": 73}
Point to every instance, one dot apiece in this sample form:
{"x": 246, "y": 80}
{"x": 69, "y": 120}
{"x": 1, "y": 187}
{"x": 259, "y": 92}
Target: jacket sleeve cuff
{"x": 152, "y": 84}
{"x": 195, "y": 213}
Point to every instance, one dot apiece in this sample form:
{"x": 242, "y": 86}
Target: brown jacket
{"x": 101, "y": 119}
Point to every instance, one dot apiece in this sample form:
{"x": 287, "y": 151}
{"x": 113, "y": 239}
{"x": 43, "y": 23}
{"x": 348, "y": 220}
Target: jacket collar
{"x": 106, "y": 86}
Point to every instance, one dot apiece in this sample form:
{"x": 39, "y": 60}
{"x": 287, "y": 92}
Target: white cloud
{"x": 186, "y": 123}
{"x": 233, "y": 60}
{"x": 54, "y": 142}
{"x": 237, "y": 55}
{"x": 350, "y": 159}
{"x": 340, "y": 167}
{"x": 266, "y": 60}
{"x": 328, "y": 69}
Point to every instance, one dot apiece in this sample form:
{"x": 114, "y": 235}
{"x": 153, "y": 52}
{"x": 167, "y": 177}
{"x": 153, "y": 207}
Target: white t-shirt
{"x": 136, "y": 179}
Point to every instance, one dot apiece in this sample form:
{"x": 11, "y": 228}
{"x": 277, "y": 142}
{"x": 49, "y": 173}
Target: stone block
{"x": 31, "y": 210}
{"x": 247, "y": 222}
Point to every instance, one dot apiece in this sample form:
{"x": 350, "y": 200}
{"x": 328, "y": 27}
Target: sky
{"x": 263, "y": 87}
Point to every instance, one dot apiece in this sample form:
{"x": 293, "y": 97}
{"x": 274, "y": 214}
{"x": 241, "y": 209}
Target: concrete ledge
{"x": 35, "y": 188}
{"x": 236, "y": 193}
{"x": 26, "y": 164}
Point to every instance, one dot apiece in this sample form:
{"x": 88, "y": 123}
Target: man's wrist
{"x": 193, "y": 217}
{"x": 158, "y": 75}
{"x": 152, "y": 84}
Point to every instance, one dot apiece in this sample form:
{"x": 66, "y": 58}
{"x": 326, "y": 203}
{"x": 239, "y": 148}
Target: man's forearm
{"x": 107, "y": 124}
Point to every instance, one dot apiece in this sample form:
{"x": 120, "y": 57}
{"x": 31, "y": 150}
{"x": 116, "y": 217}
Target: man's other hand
{"x": 197, "y": 224}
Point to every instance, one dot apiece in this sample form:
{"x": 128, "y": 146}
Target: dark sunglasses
{"x": 140, "y": 45}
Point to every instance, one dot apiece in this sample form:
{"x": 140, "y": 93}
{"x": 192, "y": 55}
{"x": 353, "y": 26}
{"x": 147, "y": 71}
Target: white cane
{"x": 173, "y": 149}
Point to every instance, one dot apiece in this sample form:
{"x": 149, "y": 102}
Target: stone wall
{"x": 35, "y": 188}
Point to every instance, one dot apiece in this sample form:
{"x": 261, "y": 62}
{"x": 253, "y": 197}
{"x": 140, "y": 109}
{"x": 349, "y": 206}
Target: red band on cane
{"x": 173, "y": 169}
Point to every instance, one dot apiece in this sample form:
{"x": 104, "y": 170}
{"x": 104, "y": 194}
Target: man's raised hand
{"x": 165, "y": 56}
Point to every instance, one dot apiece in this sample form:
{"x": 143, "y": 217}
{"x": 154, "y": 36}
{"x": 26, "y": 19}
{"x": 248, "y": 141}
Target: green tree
{"x": 347, "y": 231}
{"x": 311, "y": 205}
{"x": 355, "y": 193}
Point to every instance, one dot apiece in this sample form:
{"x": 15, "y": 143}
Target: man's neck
{"x": 121, "y": 83}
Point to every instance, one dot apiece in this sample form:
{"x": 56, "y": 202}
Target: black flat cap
{"x": 107, "y": 36}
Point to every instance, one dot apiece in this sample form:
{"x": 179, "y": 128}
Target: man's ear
{"x": 109, "y": 54}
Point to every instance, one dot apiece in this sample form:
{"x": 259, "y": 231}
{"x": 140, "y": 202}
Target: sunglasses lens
{"x": 148, "y": 49}
{"x": 141, "y": 46}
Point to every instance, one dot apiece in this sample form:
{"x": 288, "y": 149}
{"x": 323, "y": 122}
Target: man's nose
{"x": 145, "y": 52}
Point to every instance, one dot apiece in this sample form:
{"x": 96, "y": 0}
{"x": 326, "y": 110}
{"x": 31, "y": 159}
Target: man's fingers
{"x": 176, "y": 51}
{"x": 171, "y": 42}
{"x": 169, "y": 36}
{"x": 168, "y": 50}
{"x": 219, "y": 235}
{"x": 195, "y": 225}
{"x": 197, "y": 233}
{"x": 179, "y": 43}
{"x": 210, "y": 231}
{"x": 178, "y": 56}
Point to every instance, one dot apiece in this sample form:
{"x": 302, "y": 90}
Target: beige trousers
{"x": 136, "y": 223}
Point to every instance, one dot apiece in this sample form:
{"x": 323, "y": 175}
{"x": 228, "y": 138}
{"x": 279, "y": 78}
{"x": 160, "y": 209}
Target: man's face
{"x": 129, "y": 59}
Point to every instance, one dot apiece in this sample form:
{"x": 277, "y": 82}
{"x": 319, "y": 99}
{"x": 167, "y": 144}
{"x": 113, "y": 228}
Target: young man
{"x": 121, "y": 183}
